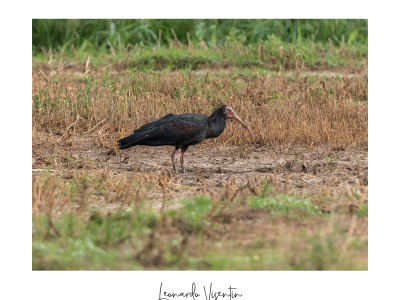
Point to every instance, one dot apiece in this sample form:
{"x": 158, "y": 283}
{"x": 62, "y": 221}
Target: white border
{"x": 380, "y": 281}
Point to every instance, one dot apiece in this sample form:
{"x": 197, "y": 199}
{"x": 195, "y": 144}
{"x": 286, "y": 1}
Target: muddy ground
{"x": 209, "y": 167}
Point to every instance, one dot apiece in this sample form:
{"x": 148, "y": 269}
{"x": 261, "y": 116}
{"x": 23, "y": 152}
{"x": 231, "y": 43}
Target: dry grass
{"x": 280, "y": 110}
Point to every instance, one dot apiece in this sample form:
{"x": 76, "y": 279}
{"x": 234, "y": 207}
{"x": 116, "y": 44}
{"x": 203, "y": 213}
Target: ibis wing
{"x": 156, "y": 123}
{"x": 168, "y": 116}
{"x": 180, "y": 131}
{"x": 172, "y": 130}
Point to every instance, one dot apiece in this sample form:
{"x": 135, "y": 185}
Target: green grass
{"x": 273, "y": 54}
{"x": 282, "y": 204}
{"x": 262, "y": 44}
{"x": 306, "y": 252}
{"x": 187, "y": 238}
{"x": 119, "y": 35}
{"x": 363, "y": 210}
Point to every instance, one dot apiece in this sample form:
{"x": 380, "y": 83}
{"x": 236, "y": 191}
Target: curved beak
{"x": 235, "y": 117}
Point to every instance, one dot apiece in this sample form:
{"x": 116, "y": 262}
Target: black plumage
{"x": 181, "y": 131}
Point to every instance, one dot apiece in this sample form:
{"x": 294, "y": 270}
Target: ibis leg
{"x": 173, "y": 159}
{"x": 183, "y": 150}
{"x": 182, "y": 168}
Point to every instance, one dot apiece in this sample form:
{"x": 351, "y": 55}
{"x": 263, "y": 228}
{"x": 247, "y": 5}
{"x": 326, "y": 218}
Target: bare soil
{"x": 209, "y": 167}
{"x": 312, "y": 170}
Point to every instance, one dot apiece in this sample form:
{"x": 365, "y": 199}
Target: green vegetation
{"x": 152, "y": 45}
{"x": 283, "y": 204}
{"x": 260, "y": 229}
{"x": 188, "y": 238}
{"x": 117, "y": 35}
{"x": 363, "y": 210}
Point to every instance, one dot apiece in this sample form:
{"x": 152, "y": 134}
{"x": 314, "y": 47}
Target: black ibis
{"x": 181, "y": 131}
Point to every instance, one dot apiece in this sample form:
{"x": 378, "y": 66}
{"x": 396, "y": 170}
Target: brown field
{"x": 311, "y": 139}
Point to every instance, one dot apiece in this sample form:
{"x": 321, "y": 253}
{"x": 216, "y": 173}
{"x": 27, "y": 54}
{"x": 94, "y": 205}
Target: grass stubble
{"x": 295, "y": 198}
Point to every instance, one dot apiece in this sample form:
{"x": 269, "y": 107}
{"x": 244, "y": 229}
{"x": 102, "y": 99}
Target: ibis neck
{"x": 216, "y": 124}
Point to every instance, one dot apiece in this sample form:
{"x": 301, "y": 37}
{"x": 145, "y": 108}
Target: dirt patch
{"x": 310, "y": 169}
{"x": 209, "y": 168}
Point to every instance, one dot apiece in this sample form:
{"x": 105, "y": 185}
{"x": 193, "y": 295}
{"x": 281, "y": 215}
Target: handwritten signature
{"x": 193, "y": 294}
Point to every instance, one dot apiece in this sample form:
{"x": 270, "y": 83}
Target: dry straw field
{"x": 295, "y": 197}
